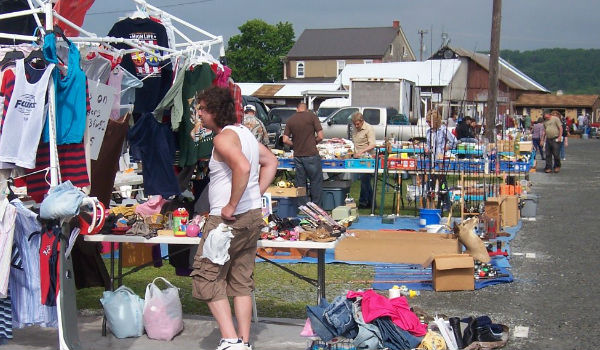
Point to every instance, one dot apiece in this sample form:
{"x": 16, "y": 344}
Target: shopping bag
{"x": 123, "y": 311}
{"x": 163, "y": 317}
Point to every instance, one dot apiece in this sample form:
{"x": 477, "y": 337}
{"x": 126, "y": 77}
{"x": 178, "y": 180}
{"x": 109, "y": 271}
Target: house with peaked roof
{"x": 319, "y": 55}
{"x": 512, "y": 83}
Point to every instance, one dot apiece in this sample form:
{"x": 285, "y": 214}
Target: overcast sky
{"x": 526, "y": 24}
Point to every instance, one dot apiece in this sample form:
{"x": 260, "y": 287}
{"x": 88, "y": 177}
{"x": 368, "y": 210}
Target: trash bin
{"x": 529, "y": 208}
{"x": 286, "y": 207}
{"x": 334, "y": 194}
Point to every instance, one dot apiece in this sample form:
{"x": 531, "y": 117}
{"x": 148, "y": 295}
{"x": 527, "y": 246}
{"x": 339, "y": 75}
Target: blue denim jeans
{"x": 395, "y": 337}
{"x": 366, "y": 190}
{"x": 309, "y": 168}
{"x": 339, "y": 315}
{"x": 537, "y": 146}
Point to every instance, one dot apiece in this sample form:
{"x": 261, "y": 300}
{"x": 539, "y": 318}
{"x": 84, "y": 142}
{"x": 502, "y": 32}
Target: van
{"x": 330, "y": 105}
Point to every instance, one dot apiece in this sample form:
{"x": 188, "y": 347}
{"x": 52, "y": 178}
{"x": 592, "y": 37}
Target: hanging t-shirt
{"x": 96, "y": 69}
{"x": 129, "y": 85}
{"x": 74, "y": 11}
{"x": 190, "y": 150}
{"x": 157, "y": 147}
{"x": 24, "y": 118}
{"x": 155, "y": 74}
{"x": 71, "y": 95}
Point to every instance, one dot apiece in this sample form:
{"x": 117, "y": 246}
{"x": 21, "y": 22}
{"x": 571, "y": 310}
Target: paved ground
{"x": 555, "y": 293}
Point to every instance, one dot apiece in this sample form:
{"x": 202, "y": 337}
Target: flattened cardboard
{"x": 402, "y": 247}
{"x": 277, "y": 191}
{"x": 453, "y": 272}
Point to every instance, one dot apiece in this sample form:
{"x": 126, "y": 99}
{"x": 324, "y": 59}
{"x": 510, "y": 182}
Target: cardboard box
{"x": 407, "y": 247}
{"x": 525, "y": 146}
{"x": 504, "y": 209}
{"x": 453, "y": 272}
{"x": 277, "y": 191}
{"x": 510, "y": 210}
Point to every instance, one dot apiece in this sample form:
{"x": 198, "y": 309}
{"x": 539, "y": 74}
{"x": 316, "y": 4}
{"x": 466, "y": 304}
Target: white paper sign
{"x": 101, "y": 101}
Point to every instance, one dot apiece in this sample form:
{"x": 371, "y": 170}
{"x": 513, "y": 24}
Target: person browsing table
{"x": 363, "y": 136}
{"x": 241, "y": 170}
{"x": 303, "y": 132}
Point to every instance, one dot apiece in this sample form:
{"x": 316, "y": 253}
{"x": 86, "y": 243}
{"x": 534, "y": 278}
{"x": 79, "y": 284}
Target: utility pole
{"x": 421, "y": 32}
{"x": 492, "y": 100}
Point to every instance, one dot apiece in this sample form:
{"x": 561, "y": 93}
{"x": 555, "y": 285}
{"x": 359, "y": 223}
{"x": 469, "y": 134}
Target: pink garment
{"x": 151, "y": 207}
{"x": 374, "y": 305}
{"x": 222, "y": 79}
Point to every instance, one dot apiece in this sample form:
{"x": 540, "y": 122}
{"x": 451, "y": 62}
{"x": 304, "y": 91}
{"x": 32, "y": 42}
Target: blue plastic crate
{"x": 285, "y": 163}
{"x": 333, "y": 163}
{"x": 447, "y": 165}
{"x": 467, "y": 165}
{"x": 506, "y": 166}
{"x": 360, "y": 163}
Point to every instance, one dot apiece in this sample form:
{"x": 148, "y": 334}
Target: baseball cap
{"x": 250, "y": 107}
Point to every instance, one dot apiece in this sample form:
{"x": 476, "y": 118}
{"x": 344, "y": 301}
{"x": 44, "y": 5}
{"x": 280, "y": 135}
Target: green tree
{"x": 254, "y": 55}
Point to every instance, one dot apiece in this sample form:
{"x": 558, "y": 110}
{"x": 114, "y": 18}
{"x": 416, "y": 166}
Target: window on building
{"x": 340, "y": 66}
{"x": 391, "y": 49}
{"x": 367, "y": 61}
{"x": 300, "y": 69}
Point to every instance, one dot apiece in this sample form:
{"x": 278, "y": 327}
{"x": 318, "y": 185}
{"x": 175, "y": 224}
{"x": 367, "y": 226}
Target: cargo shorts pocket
{"x": 207, "y": 270}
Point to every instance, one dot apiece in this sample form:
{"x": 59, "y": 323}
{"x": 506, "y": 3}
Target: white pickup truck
{"x": 386, "y": 122}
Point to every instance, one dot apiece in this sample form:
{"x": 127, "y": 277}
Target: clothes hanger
{"x": 35, "y": 57}
{"x": 11, "y": 56}
{"x": 139, "y": 12}
{"x": 11, "y": 195}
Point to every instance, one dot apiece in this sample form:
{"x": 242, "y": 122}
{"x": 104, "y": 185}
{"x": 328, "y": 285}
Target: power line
{"x": 161, "y": 6}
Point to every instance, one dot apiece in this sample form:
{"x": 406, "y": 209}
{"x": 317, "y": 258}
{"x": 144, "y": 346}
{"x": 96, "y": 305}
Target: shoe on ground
{"x": 557, "y": 169}
{"x": 548, "y": 171}
{"x": 225, "y": 345}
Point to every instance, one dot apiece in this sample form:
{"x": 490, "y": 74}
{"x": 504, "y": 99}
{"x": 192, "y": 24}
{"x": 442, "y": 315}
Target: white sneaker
{"x": 247, "y": 346}
{"x": 225, "y": 345}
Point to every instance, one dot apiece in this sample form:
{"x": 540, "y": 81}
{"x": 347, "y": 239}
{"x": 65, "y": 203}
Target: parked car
{"x": 278, "y": 116}
{"x": 385, "y": 121}
{"x": 330, "y": 105}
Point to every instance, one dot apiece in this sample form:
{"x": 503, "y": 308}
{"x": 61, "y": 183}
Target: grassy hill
{"x": 575, "y": 71}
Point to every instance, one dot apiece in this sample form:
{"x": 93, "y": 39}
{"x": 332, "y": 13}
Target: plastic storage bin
{"x": 529, "y": 208}
{"x": 334, "y": 194}
{"x": 286, "y": 207}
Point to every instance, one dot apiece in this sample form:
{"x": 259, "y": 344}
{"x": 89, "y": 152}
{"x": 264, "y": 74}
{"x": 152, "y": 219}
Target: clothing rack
{"x": 66, "y": 307}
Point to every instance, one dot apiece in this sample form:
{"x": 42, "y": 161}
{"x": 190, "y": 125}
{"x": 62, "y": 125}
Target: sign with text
{"x": 101, "y": 101}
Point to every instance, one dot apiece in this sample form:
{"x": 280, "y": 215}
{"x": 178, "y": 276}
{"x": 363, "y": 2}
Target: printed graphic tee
{"x": 156, "y": 74}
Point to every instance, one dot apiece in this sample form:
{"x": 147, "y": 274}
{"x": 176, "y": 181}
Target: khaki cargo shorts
{"x": 213, "y": 282}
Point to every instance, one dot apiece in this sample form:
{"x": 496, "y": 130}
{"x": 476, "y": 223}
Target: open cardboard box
{"x": 402, "y": 247}
{"x": 277, "y": 191}
{"x": 452, "y": 272}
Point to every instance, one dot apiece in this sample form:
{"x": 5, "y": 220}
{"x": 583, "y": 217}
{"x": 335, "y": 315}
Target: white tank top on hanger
{"x": 24, "y": 118}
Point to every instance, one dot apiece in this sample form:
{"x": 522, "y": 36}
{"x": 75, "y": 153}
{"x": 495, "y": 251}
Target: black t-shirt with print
{"x": 142, "y": 64}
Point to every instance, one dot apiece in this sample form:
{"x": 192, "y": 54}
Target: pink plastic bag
{"x": 163, "y": 317}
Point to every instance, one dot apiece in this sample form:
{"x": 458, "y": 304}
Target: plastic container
{"x": 286, "y": 207}
{"x": 431, "y": 216}
{"x": 529, "y": 208}
{"x": 180, "y": 221}
{"x": 334, "y": 194}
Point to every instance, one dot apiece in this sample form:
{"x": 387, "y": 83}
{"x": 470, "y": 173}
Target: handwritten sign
{"x": 101, "y": 101}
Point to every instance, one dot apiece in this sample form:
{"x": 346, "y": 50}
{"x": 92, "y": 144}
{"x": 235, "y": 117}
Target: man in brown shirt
{"x": 302, "y": 132}
{"x": 363, "y": 137}
{"x": 553, "y": 128}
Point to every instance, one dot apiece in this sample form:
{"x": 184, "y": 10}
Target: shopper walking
{"x": 241, "y": 169}
{"x": 257, "y": 127}
{"x": 303, "y": 132}
{"x": 553, "y": 128}
{"x": 538, "y": 137}
{"x": 565, "y": 139}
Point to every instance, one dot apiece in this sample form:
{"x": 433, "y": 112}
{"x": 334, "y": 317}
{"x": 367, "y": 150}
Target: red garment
{"x": 374, "y": 306}
{"x": 49, "y": 268}
{"x": 6, "y": 90}
{"x": 222, "y": 75}
{"x": 236, "y": 92}
{"x": 74, "y": 11}
{"x": 71, "y": 159}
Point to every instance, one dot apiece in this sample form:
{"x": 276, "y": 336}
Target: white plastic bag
{"x": 163, "y": 317}
{"x": 216, "y": 244}
{"x": 123, "y": 310}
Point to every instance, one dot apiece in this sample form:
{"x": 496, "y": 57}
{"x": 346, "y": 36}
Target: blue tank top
{"x": 71, "y": 95}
